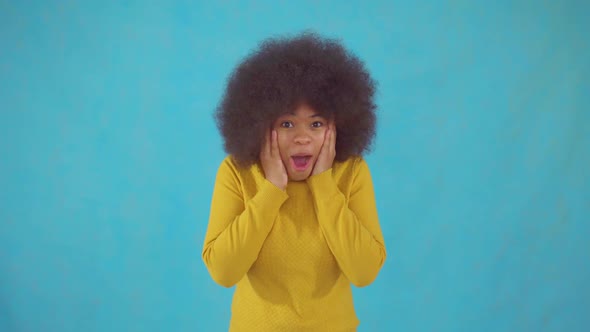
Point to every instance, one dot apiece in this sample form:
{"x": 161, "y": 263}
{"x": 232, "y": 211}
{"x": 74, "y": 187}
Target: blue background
{"x": 109, "y": 150}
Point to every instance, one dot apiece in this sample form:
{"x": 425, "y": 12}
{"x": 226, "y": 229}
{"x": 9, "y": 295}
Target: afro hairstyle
{"x": 284, "y": 73}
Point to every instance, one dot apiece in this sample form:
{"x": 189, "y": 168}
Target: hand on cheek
{"x": 270, "y": 158}
{"x": 327, "y": 152}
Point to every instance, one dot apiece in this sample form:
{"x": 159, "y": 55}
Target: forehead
{"x": 303, "y": 112}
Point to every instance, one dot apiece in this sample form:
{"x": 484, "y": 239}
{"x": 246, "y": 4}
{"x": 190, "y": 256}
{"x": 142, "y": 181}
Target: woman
{"x": 293, "y": 220}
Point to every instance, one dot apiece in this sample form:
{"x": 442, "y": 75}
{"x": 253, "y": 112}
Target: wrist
{"x": 279, "y": 184}
{"x": 319, "y": 171}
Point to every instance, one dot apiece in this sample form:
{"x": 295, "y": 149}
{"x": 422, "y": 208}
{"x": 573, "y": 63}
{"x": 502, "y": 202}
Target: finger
{"x": 275, "y": 145}
{"x": 333, "y": 144}
{"x": 329, "y": 134}
{"x": 264, "y": 149}
{"x": 270, "y": 141}
{"x": 334, "y": 130}
{"x": 325, "y": 142}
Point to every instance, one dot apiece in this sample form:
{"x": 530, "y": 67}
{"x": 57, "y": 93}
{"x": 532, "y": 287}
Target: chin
{"x": 299, "y": 177}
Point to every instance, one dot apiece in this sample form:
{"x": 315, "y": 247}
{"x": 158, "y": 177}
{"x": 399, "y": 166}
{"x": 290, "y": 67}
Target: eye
{"x": 286, "y": 124}
{"x": 317, "y": 124}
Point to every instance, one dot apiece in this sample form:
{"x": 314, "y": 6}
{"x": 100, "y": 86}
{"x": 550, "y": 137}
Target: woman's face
{"x": 300, "y": 137}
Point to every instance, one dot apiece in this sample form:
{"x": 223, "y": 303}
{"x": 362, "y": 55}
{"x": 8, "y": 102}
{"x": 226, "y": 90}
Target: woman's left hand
{"x": 327, "y": 152}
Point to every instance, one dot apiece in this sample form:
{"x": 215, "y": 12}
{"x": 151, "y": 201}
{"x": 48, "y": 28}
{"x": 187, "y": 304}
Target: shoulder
{"x": 231, "y": 169}
{"x": 352, "y": 165}
{"x": 229, "y": 163}
{"x": 351, "y": 170}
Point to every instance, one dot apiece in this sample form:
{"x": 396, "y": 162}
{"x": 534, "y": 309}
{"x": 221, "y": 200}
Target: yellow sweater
{"x": 294, "y": 253}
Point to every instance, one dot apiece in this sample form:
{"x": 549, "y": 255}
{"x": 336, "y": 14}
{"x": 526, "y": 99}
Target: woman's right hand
{"x": 270, "y": 158}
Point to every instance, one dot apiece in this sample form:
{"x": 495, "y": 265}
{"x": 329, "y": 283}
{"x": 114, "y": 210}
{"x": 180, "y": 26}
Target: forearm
{"x": 359, "y": 252}
{"x": 229, "y": 253}
{"x": 359, "y": 255}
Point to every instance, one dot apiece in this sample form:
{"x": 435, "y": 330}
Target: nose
{"x": 302, "y": 137}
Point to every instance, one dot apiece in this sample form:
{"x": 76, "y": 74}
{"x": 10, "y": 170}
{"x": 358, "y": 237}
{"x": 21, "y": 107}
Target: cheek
{"x": 318, "y": 139}
{"x": 283, "y": 140}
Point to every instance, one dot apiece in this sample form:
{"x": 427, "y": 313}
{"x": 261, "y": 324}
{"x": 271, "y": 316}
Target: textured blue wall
{"x": 108, "y": 153}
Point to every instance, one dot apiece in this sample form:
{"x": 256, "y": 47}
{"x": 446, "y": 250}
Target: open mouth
{"x": 300, "y": 162}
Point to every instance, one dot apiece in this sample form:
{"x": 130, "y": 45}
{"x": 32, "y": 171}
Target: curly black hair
{"x": 284, "y": 73}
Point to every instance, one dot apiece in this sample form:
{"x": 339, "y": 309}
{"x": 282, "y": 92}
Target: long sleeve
{"x": 237, "y": 228}
{"x": 350, "y": 226}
